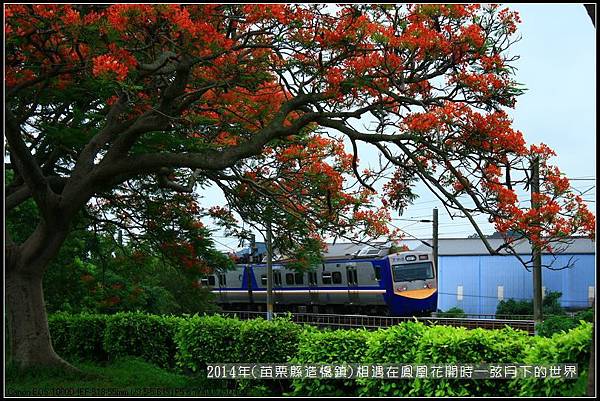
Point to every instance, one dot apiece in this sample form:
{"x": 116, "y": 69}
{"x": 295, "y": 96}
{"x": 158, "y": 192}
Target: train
{"x": 397, "y": 284}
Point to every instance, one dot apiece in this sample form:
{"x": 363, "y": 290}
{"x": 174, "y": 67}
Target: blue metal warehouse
{"x": 473, "y": 280}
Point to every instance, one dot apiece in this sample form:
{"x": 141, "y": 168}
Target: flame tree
{"x": 101, "y": 100}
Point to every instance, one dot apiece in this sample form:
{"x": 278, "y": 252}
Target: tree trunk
{"x": 28, "y": 335}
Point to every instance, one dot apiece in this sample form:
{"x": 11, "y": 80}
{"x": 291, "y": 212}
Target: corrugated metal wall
{"x": 481, "y": 275}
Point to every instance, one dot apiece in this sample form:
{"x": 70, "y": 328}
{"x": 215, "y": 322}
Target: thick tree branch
{"x": 22, "y": 193}
{"x": 118, "y": 169}
{"x": 29, "y": 170}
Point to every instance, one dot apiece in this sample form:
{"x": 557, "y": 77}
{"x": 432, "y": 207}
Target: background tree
{"x": 96, "y": 271}
{"x": 101, "y": 97}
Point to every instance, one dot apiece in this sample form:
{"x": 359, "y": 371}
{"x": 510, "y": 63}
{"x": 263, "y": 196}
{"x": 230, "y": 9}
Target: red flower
{"x": 106, "y": 64}
{"x": 71, "y": 17}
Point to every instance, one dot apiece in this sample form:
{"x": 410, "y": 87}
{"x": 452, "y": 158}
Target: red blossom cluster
{"x": 106, "y": 64}
{"x": 490, "y": 132}
{"x": 375, "y": 221}
{"x": 554, "y": 214}
{"x": 352, "y": 59}
{"x": 186, "y": 254}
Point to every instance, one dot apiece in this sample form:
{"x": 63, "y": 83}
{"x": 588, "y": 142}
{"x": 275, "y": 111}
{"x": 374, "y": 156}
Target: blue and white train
{"x": 399, "y": 284}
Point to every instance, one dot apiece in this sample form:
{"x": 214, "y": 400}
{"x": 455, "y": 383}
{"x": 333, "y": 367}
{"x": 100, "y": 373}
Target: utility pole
{"x": 252, "y": 247}
{"x": 250, "y": 262}
{"x": 269, "y": 271}
{"x": 536, "y": 251}
{"x": 435, "y": 241}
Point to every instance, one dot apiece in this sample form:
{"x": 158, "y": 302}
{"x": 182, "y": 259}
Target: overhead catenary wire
{"x": 226, "y": 246}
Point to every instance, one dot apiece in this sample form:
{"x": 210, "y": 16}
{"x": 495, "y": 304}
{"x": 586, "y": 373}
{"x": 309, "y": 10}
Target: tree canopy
{"x": 246, "y": 97}
{"x": 122, "y": 111}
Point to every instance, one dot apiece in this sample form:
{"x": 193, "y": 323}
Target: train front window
{"x": 413, "y": 271}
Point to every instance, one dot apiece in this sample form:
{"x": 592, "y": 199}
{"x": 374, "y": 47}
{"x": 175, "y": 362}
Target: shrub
{"x": 396, "y": 345}
{"x": 149, "y": 337}
{"x": 264, "y": 341}
{"x": 586, "y": 315}
{"x": 452, "y": 312}
{"x": 512, "y": 307}
{"x": 273, "y": 341}
{"x": 562, "y": 323}
{"x": 564, "y": 347}
{"x": 207, "y": 339}
{"x": 550, "y": 306}
{"x": 329, "y": 347}
{"x": 78, "y": 337}
{"x": 556, "y": 324}
{"x": 215, "y": 339}
{"x": 456, "y": 345}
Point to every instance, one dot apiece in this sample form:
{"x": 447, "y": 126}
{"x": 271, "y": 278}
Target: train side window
{"x": 312, "y": 278}
{"x": 326, "y": 277}
{"x": 263, "y": 279}
{"x": 211, "y": 280}
{"x": 299, "y": 278}
{"x": 355, "y": 276}
{"x": 377, "y": 270}
{"x": 336, "y": 277}
{"x": 222, "y": 280}
{"x": 276, "y": 278}
{"x": 289, "y": 278}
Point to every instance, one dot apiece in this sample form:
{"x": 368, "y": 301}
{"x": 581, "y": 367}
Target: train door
{"x": 352, "y": 279}
{"x": 278, "y": 296}
{"x": 222, "y": 279}
{"x": 313, "y": 291}
{"x": 248, "y": 273}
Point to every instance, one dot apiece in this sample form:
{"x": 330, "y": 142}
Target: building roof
{"x": 344, "y": 250}
{"x": 261, "y": 247}
{"x": 447, "y": 247}
{"x": 475, "y": 246}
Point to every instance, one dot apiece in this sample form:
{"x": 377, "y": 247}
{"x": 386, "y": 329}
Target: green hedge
{"x": 216, "y": 339}
{"x": 197, "y": 340}
{"x": 331, "y": 347}
{"x": 565, "y": 347}
{"x": 562, "y": 323}
{"x": 207, "y": 339}
{"x": 265, "y": 341}
{"x": 440, "y": 345}
{"x": 396, "y": 345}
{"x": 78, "y": 337}
{"x": 149, "y": 337}
{"x": 269, "y": 342}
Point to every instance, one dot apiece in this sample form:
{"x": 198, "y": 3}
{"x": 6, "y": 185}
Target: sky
{"x": 557, "y": 66}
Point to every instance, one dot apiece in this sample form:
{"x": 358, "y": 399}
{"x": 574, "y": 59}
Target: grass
{"x": 124, "y": 377}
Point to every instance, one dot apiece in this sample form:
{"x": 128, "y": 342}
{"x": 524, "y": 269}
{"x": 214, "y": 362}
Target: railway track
{"x": 374, "y": 322}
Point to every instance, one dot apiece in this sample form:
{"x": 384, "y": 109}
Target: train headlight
{"x": 427, "y": 285}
